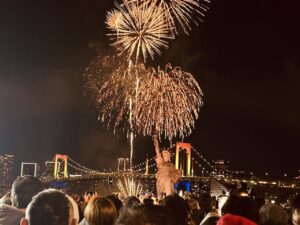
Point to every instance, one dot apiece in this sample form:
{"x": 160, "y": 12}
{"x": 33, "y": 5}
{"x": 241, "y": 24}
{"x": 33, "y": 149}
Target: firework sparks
{"x": 113, "y": 19}
{"x": 168, "y": 103}
{"x": 180, "y": 10}
{"x": 139, "y": 30}
{"x": 129, "y": 187}
{"x": 97, "y": 72}
{"x": 112, "y": 86}
{"x": 142, "y": 100}
{"x": 116, "y": 98}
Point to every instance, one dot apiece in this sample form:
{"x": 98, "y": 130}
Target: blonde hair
{"x": 100, "y": 211}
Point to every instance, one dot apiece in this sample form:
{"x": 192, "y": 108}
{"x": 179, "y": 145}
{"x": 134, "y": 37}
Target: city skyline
{"x": 246, "y": 60}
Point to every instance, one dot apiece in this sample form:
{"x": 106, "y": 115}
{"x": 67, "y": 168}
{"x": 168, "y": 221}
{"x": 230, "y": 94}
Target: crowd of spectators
{"x": 29, "y": 203}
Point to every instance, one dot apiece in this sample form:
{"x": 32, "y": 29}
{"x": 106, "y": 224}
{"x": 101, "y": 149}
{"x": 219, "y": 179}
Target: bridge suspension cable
{"x": 80, "y": 167}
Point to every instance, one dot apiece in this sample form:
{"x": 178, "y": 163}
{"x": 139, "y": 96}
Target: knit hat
{"x": 230, "y": 219}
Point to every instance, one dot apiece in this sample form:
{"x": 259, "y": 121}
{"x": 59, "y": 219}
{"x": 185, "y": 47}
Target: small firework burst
{"x": 114, "y": 19}
{"x": 139, "y": 30}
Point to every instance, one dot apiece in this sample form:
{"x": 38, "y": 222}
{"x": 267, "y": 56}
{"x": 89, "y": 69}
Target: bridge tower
{"x": 122, "y": 163}
{"x": 181, "y": 162}
{"x": 147, "y": 167}
{"x": 64, "y": 158}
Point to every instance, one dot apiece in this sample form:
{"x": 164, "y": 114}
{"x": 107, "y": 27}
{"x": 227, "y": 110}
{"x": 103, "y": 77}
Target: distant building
{"x": 29, "y": 169}
{"x": 123, "y": 164}
{"x": 49, "y": 168}
{"x": 6, "y": 173}
{"x": 221, "y": 164}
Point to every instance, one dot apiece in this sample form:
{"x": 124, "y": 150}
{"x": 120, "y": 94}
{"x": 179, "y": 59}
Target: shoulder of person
{"x": 4, "y": 207}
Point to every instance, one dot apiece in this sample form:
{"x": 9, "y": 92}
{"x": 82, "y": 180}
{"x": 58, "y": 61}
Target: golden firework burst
{"x": 129, "y": 187}
{"x": 139, "y": 30}
{"x": 141, "y": 100}
{"x": 114, "y": 19}
{"x": 168, "y": 102}
{"x": 182, "y": 11}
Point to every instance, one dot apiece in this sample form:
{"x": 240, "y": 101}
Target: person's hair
{"x": 131, "y": 201}
{"x": 241, "y": 206}
{"x": 117, "y": 202}
{"x": 204, "y": 201}
{"x": 295, "y": 204}
{"x": 178, "y": 208}
{"x": 148, "y": 202}
{"x": 100, "y": 211}
{"x": 145, "y": 215}
{"x": 273, "y": 214}
{"x": 23, "y": 189}
{"x": 49, "y": 207}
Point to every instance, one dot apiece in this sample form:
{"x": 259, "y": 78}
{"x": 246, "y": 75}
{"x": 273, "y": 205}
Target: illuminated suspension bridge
{"x": 195, "y": 168}
{"x": 187, "y": 158}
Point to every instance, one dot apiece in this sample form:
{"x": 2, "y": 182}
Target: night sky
{"x": 245, "y": 56}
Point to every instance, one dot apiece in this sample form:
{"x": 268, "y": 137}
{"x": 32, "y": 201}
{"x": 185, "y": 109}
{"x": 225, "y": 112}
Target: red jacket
{"x": 229, "y": 219}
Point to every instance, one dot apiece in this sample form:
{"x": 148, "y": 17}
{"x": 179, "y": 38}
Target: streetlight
{"x": 267, "y": 174}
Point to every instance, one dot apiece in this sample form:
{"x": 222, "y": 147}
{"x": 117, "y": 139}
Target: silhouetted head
{"x": 49, "y": 207}
{"x": 100, "y": 211}
{"x": 23, "y": 189}
{"x": 145, "y": 215}
{"x": 117, "y": 202}
{"x": 242, "y": 206}
{"x": 273, "y": 214}
{"x": 205, "y": 203}
{"x": 178, "y": 208}
{"x": 131, "y": 201}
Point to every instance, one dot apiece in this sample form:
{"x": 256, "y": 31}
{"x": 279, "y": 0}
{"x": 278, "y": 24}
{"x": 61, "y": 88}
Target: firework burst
{"x": 129, "y": 187}
{"x": 143, "y": 101}
{"x": 139, "y": 30}
{"x": 111, "y": 84}
{"x": 167, "y": 103}
{"x": 113, "y": 19}
{"x": 97, "y": 73}
{"x": 117, "y": 96}
{"x": 180, "y": 10}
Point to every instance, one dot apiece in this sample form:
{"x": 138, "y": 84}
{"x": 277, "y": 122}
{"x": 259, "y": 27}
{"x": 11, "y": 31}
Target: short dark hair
{"x": 131, "y": 201}
{"x": 204, "y": 201}
{"x": 241, "y": 206}
{"x": 178, "y": 208}
{"x": 117, "y": 202}
{"x": 23, "y": 189}
{"x": 49, "y": 207}
{"x": 145, "y": 215}
{"x": 295, "y": 203}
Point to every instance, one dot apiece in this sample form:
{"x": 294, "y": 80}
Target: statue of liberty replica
{"x": 167, "y": 175}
